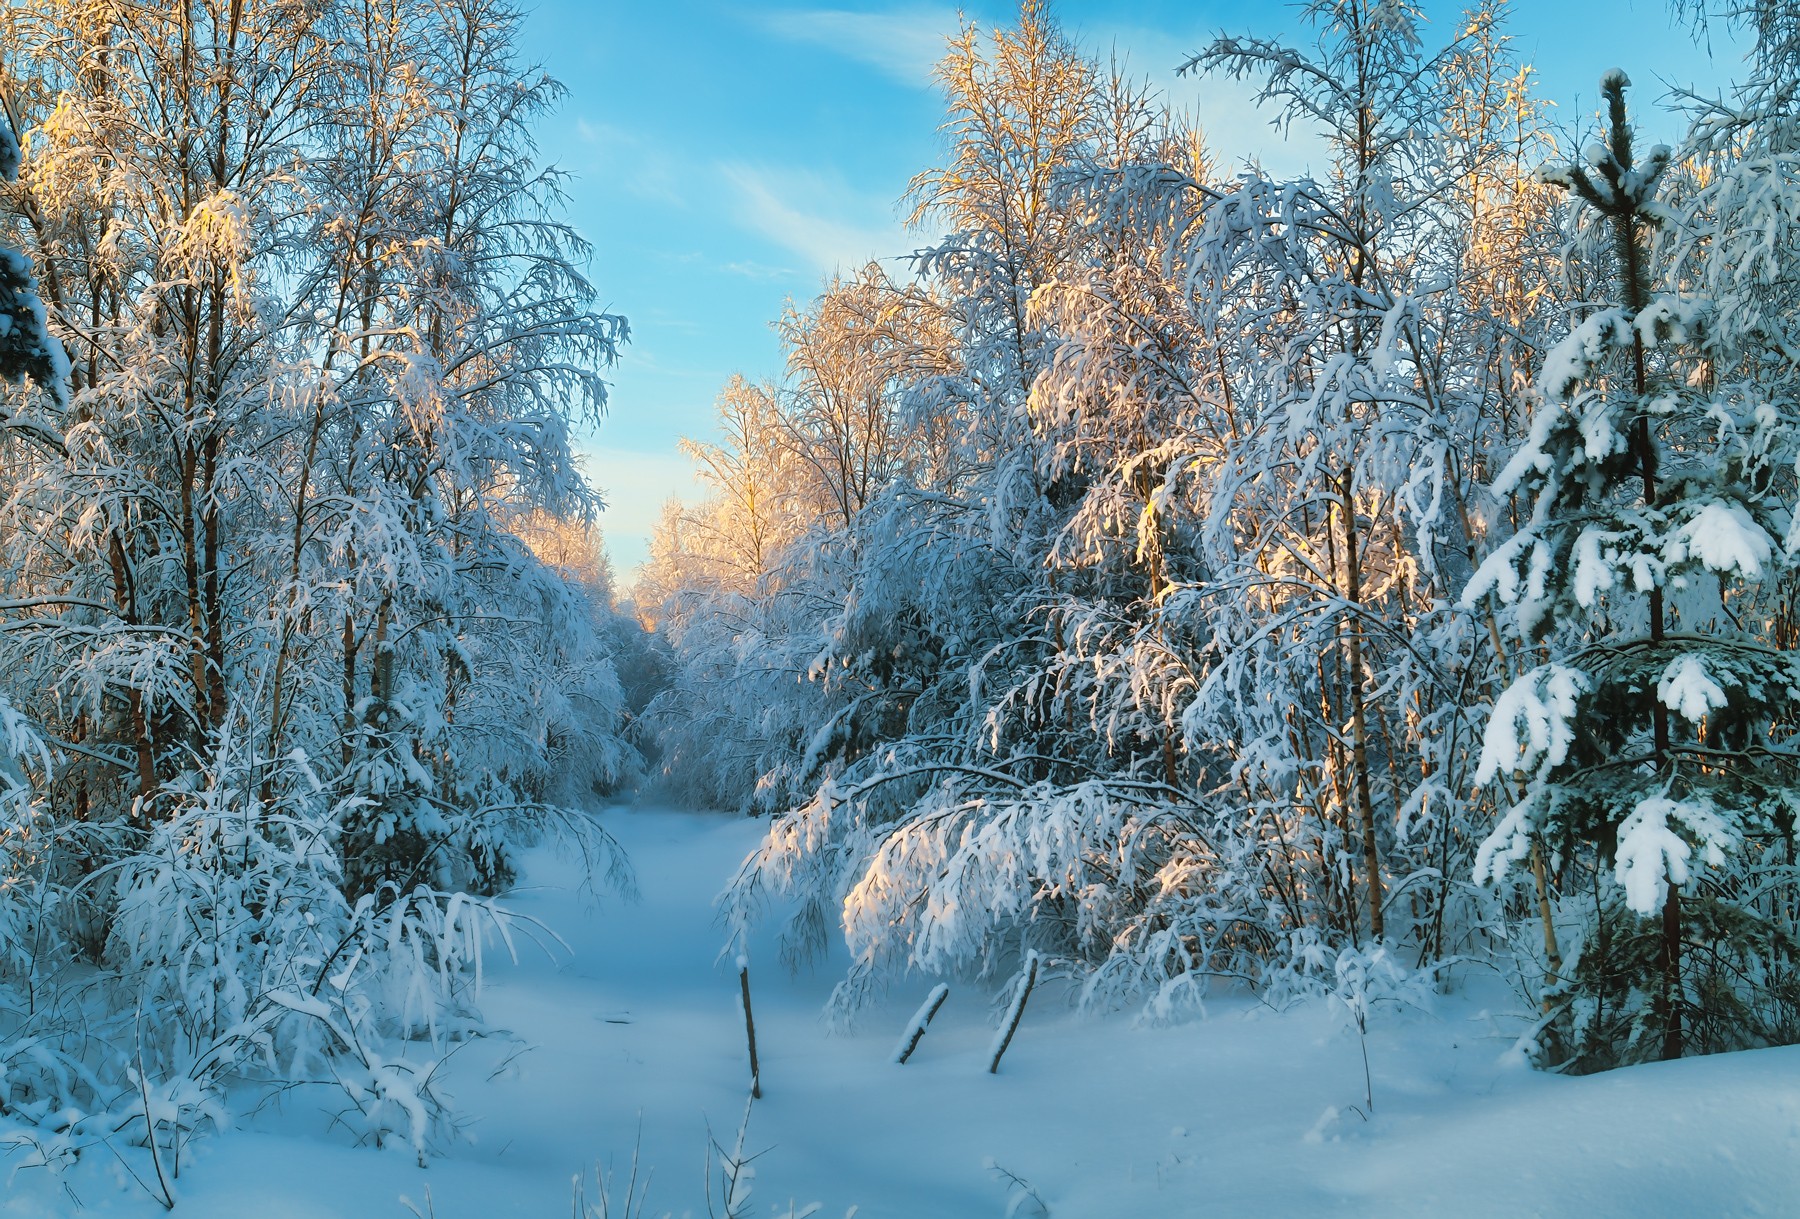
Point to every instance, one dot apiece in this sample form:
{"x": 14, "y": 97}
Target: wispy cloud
{"x": 815, "y": 216}
{"x": 904, "y": 44}
{"x": 755, "y": 270}
{"x": 658, "y": 319}
{"x": 634, "y": 162}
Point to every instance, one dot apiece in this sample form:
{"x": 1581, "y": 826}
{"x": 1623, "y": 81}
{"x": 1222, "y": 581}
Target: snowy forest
{"x": 1358, "y": 603}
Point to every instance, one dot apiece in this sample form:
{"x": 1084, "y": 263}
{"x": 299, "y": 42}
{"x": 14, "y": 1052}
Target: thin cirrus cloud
{"x": 637, "y": 164}
{"x": 750, "y": 269}
{"x": 814, "y": 216}
{"x": 904, "y": 45}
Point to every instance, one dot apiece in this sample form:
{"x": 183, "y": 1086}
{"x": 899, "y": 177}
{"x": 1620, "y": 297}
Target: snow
{"x": 1687, "y": 690}
{"x": 1499, "y": 575}
{"x": 921, "y": 1020}
{"x": 1652, "y": 855}
{"x": 1542, "y": 703}
{"x": 1509, "y": 844}
{"x": 1666, "y": 318}
{"x": 1593, "y": 565}
{"x": 635, "y": 1027}
{"x": 1722, "y": 537}
{"x": 1571, "y": 361}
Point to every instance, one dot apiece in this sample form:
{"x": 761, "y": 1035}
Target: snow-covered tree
{"x": 271, "y": 596}
{"x": 1149, "y": 659}
{"x": 1651, "y": 746}
{"x": 27, "y": 348}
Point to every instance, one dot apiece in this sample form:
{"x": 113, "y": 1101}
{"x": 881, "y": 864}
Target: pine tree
{"x": 1653, "y": 746}
{"x": 27, "y": 348}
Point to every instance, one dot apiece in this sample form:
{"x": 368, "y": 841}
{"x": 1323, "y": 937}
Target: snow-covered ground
{"x": 632, "y": 1037}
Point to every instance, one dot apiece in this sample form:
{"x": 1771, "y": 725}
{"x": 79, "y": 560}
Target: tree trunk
{"x": 1359, "y": 723}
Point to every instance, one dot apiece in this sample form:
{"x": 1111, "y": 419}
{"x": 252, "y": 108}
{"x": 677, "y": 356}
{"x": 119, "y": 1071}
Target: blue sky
{"x": 726, "y": 157}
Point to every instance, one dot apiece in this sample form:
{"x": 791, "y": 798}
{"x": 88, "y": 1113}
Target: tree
{"x": 27, "y": 348}
{"x": 853, "y": 357}
{"x": 750, "y": 517}
{"x": 1337, "y": 303}
{"x": 1191, "y": 587}
{"x": 1655, "y": 747}
{"x": 267, "y": 593}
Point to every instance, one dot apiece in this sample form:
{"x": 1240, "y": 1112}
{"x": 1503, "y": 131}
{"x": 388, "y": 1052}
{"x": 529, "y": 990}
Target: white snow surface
{"x": 636, "y": 1026}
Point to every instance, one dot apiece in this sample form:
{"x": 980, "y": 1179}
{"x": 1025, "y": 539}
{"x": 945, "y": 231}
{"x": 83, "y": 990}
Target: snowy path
{"x": 636, "y": 1026}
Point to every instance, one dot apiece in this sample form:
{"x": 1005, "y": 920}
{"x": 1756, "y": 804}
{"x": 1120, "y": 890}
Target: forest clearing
{"x": 628, "y": 1040}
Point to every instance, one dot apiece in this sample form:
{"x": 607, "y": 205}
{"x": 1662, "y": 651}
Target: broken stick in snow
{"x": 1017, "y": 1010}
{"x": 909, "y": 1040}
{"x": 750, "y": 1029}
